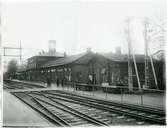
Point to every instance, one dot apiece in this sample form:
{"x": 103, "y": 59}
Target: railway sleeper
{"x": 105, "y": 107}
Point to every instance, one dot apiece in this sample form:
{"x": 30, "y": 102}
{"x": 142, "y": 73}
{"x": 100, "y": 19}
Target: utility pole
{"x": 131, "y": 60}
{"x": 146, "y": 54}
{"x": 153, "y": 69}
{"x": 20, "y": 52}
{"x": 148, "y": 40}
{"x": 130, "y": 64}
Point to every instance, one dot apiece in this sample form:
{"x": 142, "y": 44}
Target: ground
{"x": 16, "y": 113}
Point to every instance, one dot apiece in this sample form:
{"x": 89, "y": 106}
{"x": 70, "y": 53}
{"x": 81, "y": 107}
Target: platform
{"x": 16, "y": 113}
{"x": 28, "y": 82}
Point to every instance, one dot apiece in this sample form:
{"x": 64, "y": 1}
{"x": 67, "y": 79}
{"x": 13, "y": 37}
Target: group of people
{"x": 61, "y": 81}
{"x": 58, "y": 82}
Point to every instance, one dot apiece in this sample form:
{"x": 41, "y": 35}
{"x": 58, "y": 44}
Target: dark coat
{"x": 48, "y": 80}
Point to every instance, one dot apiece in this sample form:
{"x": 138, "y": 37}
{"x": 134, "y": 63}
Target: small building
{"x": 34, "y": 64}
{"x": 70, "y": 68}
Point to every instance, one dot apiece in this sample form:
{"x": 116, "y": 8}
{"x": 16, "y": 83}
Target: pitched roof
{"x": 159, "y": 55}
{"x": 122, "y": 57}
{"x": 56, "y": 54}
{"x": 63, "y": 61}
{"x": 48, "y": 54}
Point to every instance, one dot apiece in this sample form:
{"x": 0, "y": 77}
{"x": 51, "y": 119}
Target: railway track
{"x": 14, "y": 86}
{"x": 60, "y": 107}
{"x": 34, "y": 104}
{"x": 109, "y": 118}
{"x": 85, "y": 112}
{"x": 57, "y": 112}
{"x": 148, "y": 115}
{"x": 132, "y": 106}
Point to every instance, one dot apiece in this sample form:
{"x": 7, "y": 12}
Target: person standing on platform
{"x": 62, "y": 82}
{"x": 43, "y": 80}
{"x": 48, "y": 82}
{"x": 57, "y": 82}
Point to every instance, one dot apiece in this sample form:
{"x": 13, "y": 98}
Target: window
{"x": 53, "y": 70}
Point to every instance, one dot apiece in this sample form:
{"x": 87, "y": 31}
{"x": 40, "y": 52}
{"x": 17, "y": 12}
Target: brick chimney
{"x": 88, "y": 50}
{"x": 65, "y": 54}
{"x": 52, "y": 47}
{"x": 118, "y": 50}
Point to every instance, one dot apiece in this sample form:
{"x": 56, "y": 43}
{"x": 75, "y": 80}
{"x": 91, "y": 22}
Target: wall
{"x": 98, "y": 67}
{"x": 80, "y": 73}
{"x": 103, "y": 70}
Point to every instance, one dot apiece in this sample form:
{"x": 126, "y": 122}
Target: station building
{"x": 89, "y": 68}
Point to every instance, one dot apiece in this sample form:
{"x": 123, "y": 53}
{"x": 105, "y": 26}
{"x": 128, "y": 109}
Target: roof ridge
{"x": 72, "y": 57}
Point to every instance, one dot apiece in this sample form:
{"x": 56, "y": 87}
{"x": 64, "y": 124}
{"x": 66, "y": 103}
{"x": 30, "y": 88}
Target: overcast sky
{"x": 76, "y": 25}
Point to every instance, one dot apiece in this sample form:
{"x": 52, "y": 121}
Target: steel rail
{"x": 124, "y": 105}
{"x": 26, "y": 84}
{"x": 74, "y": 112}
{"x": 109, "y": 108}
{"x": 48, "y": 117}
{"x": 18, "y": 85}
{"x": 61, "y": 120}
{"x": 12, "y": 87}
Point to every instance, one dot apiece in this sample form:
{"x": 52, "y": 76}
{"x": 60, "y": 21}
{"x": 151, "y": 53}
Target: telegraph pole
{"x": 20, "y": 52}
{"x": 131, "y": 60}
{"x": 146, "y": 54}
{"x": 130, "y": 64}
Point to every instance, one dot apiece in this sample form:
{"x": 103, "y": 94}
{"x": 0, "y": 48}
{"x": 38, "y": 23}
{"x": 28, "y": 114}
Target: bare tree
{"x": 12, "y": 67}
{"x": 156, "y": 34}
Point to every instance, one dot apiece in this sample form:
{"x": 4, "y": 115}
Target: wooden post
{"x": 155, "y": 78}
{"x": 130, "y": 75}
{"x": 20, "y": 52}
{"x": 138, "y": 79}
{"x": 146, "y": 54}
